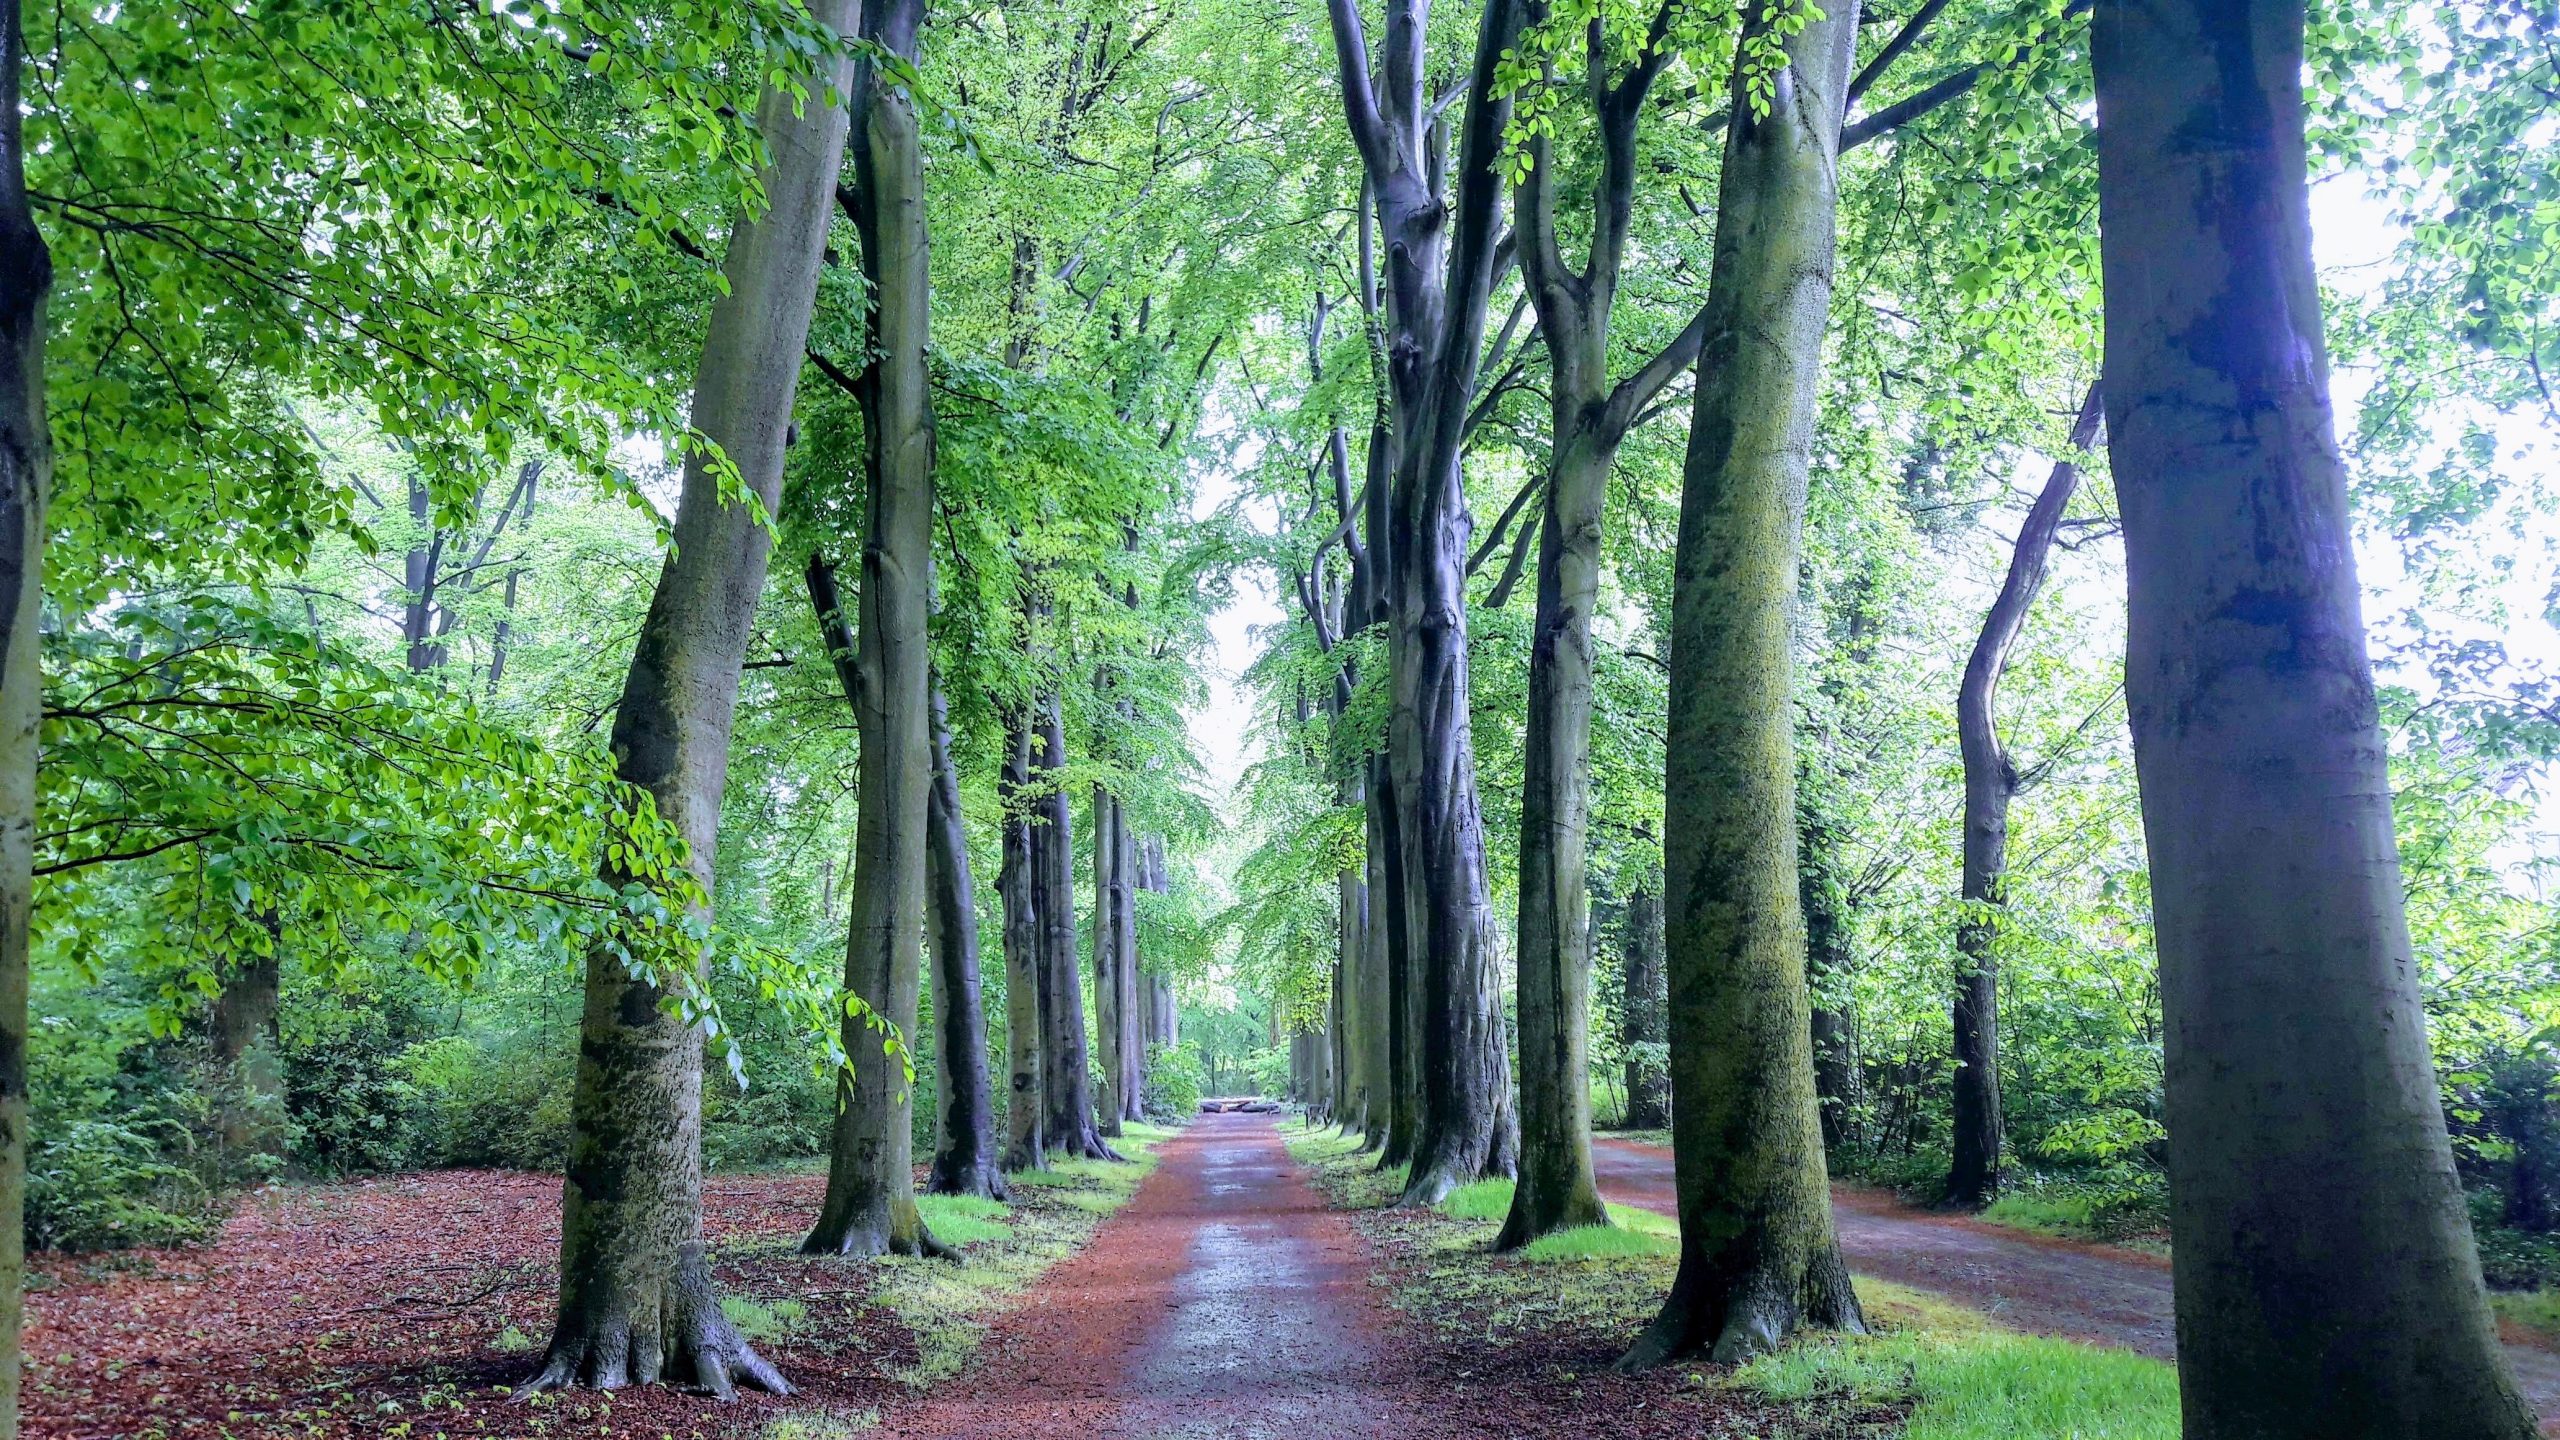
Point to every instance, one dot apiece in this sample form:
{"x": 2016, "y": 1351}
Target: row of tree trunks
{"x": 1068, "y": 1120}
{"x": 636, "y": 1300}
{"x": 1440, "y": 268}
{"x": 1120, "y": 1018}
{"x": 1644, "y": 1017}
{"x": 1026, "y": 1138}
{"x": 2327, "y": 1283}
{"x": 1758, "y": 1257}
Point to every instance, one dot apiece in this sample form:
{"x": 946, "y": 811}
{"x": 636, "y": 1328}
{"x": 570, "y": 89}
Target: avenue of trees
{"x": 614, "y": 586}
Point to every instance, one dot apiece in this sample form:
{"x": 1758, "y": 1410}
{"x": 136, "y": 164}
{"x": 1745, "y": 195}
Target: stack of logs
{"x": 1244, "y": 1105}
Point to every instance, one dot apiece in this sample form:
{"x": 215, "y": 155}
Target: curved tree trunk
{"x": 636, "y": 1301}
{"x": 1645, "y": 1020}
{"x": 26, "y": 479}
{"x": 965, "y": 1163}
{"x": 2327, "y": 1283}
{"x": 1990, "y": 782}
{"x": 1758, "y": 1257}
{"x": 1026, "y": 1138}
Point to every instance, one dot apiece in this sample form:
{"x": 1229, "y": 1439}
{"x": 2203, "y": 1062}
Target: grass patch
{"x": 2535, "y": 1311}
{"x": 948, "y": 1307}
{"x": 820, "y": 1425}
{"x": 2069, "y": 1216}
{"x": 1483, "y": 1200}
{"x": 763, "y": 1320}
{"x": 965, "y": 1219}
{"x": 1981, "y": 1384}
{"x": 1631, "y": 1232}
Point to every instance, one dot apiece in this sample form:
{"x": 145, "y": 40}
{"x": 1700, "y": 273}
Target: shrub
{"x": 104, "y": 1185}
{"x": 1173, "y": 1080}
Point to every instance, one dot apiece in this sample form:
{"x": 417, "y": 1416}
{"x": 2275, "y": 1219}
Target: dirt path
{"x": 2045, "y": 1287}
{"x": 1225, "y": 1303}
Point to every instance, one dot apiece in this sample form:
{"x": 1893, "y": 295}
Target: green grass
{"x": 763, "y": 1320}
{"x": 965, "y": 1219}
{"x": 2537, "y": 1311}
{"x": 1484, "y": 1200}
{"x": 820, "y": 1425}
{"x": 2066, "y": 1215}
{"x": 1979, "y": 1384}
{"x": 1630, "y": 1232}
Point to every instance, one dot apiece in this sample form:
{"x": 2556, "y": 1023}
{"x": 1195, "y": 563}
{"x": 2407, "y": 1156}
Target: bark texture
{"x": 636, "y": 1303}
{"x": 1990, "y": 783}
{"x": 2326, "y": 1280}
{"x": 1645, "y": 1019}
{"x": 965, "y": 1159}
{"x": 26, "y": 479}
{"x": 1068, "y": 1121}
{"x": 1758, "y": 1258}
{"x": 1026, "y": 1145}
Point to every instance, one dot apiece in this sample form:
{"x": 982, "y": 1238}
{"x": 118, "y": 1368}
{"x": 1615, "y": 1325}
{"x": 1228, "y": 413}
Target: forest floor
{"x": 2042, "y": 1285}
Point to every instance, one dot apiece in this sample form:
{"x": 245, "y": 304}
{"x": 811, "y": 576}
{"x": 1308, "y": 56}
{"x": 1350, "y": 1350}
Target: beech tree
{"x": 1758, "y": 1257}
{"x": 2326, "y": 1283}
{"x": 636, "y": 1300}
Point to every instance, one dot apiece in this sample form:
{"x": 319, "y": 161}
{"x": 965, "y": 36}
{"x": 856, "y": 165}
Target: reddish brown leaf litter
{"x": 408, "y": 1306}
{"x": 2039, "y": 1284}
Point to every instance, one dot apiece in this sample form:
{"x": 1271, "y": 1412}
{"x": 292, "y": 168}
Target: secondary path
{"x": 2045, "y": 1287}
{"x": 1226, "y": 1302}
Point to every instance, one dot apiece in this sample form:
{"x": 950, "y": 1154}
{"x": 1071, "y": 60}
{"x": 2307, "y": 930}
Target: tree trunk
{"x": 1352, "y": 1018}
{"x": 1017, "y": 886}
{"x": 1758, "y": 1257}
{"x": 1109, "y": 882}
{"x": 870, "y": 1206}
{"x": 245, "y": 1049}
{"x": 1127, "y": 1017}
{"x": 2326, "y": 1280}
{"x": 1828, "y": 957}
{"x": 1556, "y": 1189}
{"x": 1391, "y": 1121}
{"x": 966, "y": 1161}
{"x": 1990, "y": 782}
{"x": 636, "y": 1301}
{"x": 1066, "y": 1078}
{"x": 26, "y": 478}
{"x": 1645, "y": 1021}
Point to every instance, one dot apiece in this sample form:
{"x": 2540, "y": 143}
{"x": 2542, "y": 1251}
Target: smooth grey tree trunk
{"x": 1066, "y": 1080}
{"x": 1110, "y": 882}
{"x": 1758, "y": 1257}
{"x": 1026, "y": 1145}
{"x": 1990, "y": 783}
{"x": 26, "y": 479}
{"x": 2326, "y": 1280}
{"x": 636, "y": 1299}
{"x": 966, "y": 1160}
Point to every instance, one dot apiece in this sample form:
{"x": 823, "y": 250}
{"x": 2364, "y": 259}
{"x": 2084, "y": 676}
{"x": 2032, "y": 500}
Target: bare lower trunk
{"x": 1025, "y": 1138}
{"x": 636, "y": 1303}
{"x": 2327, "y": 1283}
{"x": 1758, "y": 1258}
{"x": 1391, "y": 1126}
{"x": 1066, "y": 1078}
{"x": 1644, "y": 1022}
{"x": 1109, "y": 881}
{"x": 1557, "y": 1190}
{"x": 26, "y": 478}
{"x": 245, "y": 1040}
{"x": 965, "y": 1163}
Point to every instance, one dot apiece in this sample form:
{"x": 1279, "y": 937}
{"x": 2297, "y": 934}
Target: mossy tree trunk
{"x": 1758, "y": 1257}
{"x": 965, "y": 1161}
{"x": 2327, "y": 1283}
{"x": 26, "y": 477}
{"x": 1990, "y": 783}
{"x": 1026, "y": 1145}
{"x": 636, "y": 1299}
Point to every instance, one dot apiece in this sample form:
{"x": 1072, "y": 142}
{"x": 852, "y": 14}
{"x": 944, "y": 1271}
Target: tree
{"x": 2326, "y": 1281}
{"x": 1590, "y": 416}
{"x": 1758, "y": 1257}
{"x": 26, "y": 475}
{"x": 1646, "y": 1036}
{"x": 870, "y": 1208}
{"x": 1990, "y": 782}
{"x": 1026, "y": 1107}
{"x": 1440, "y": 251}
{"x": 965, "y": 1158}
{"x": 636, "y": 1300}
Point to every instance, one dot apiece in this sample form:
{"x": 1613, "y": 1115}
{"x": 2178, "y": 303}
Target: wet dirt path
{"x": 1224, "y": 1303}
{"x": 2045, "y": 1287}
